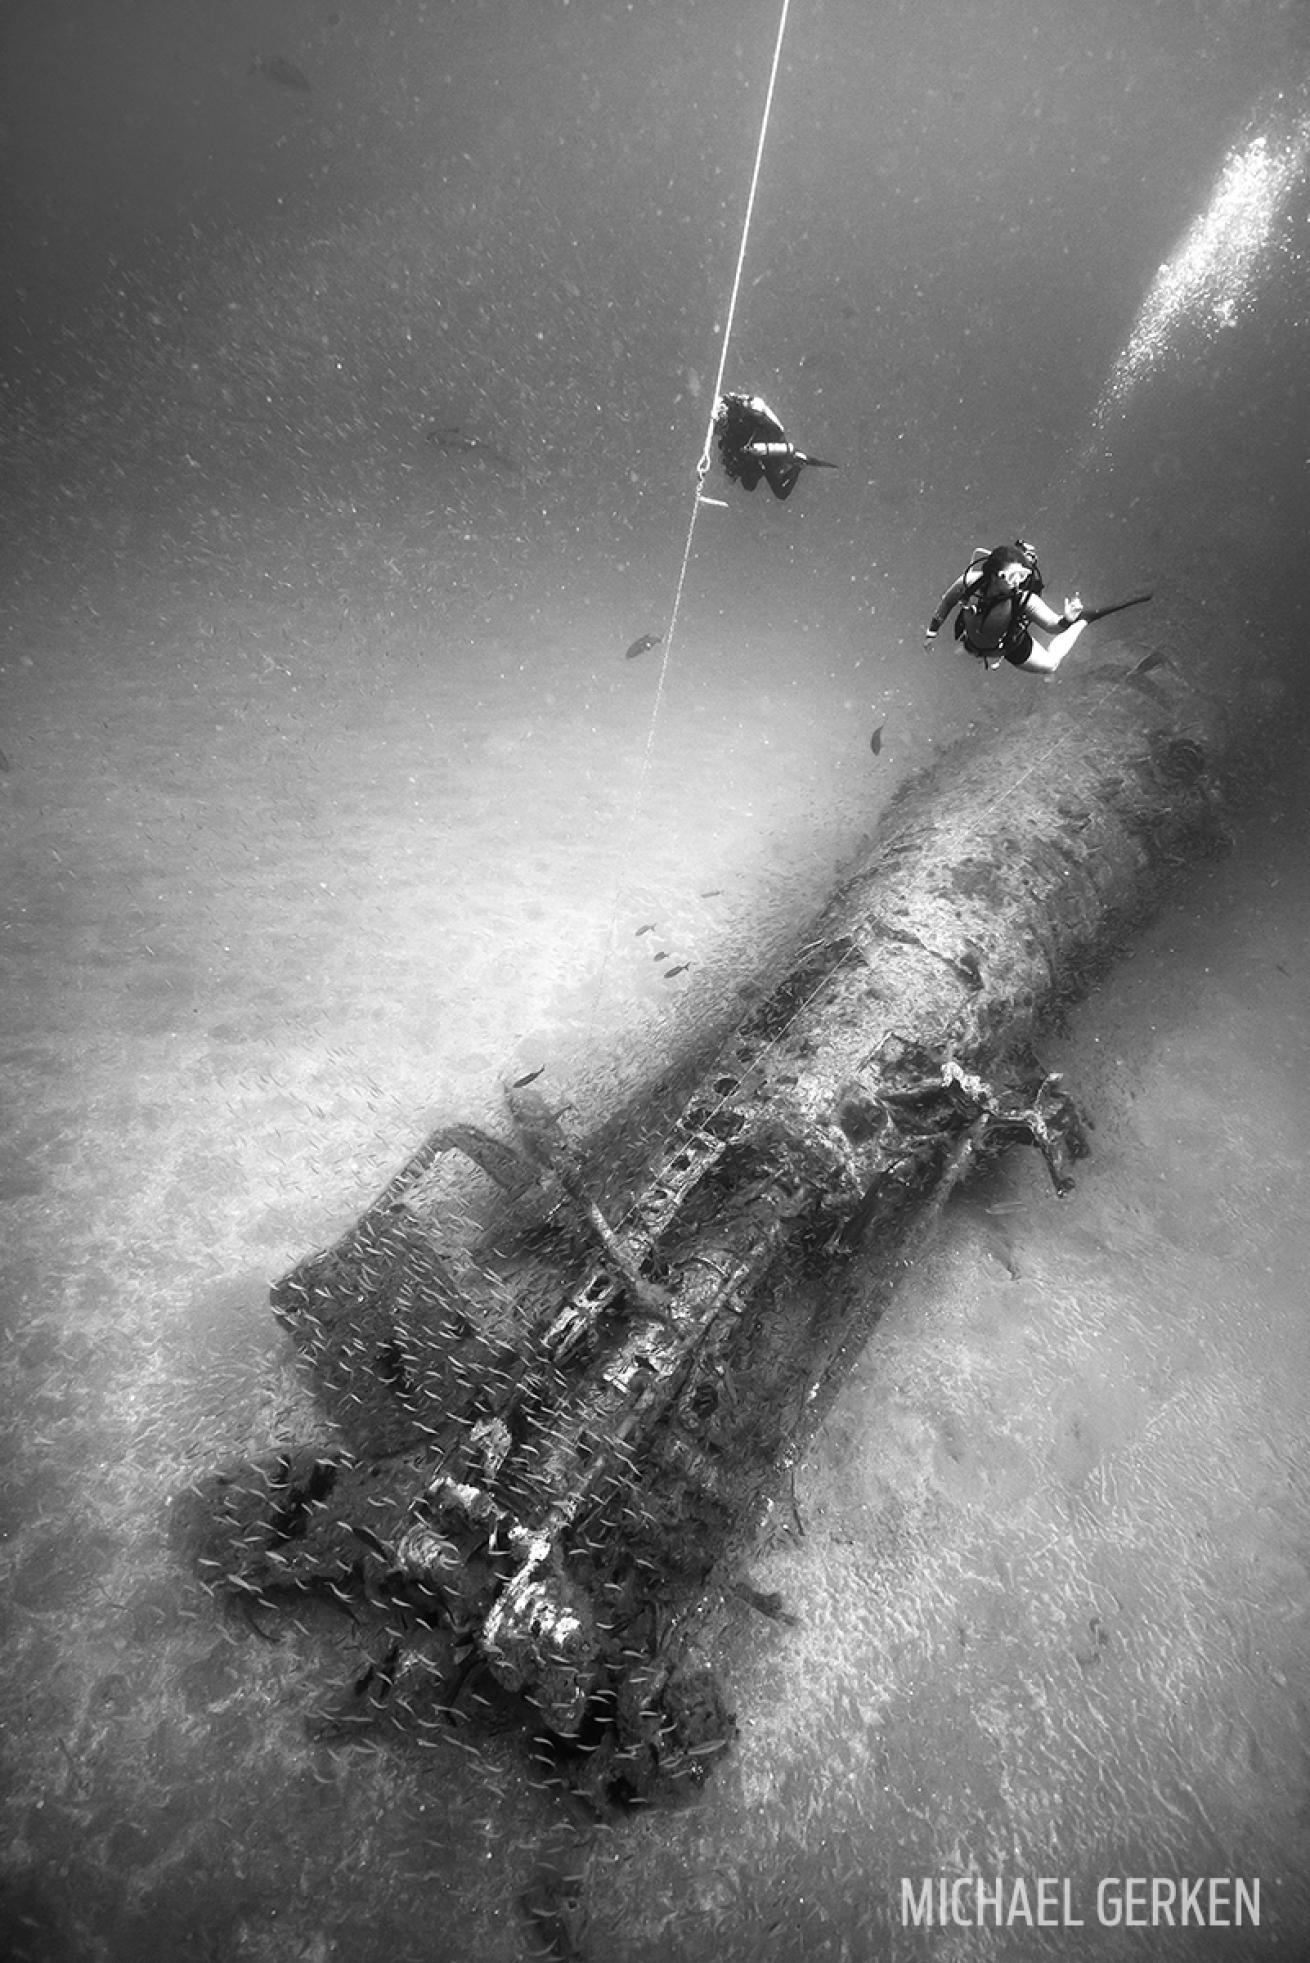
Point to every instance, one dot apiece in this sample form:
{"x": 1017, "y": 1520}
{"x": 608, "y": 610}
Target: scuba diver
{"x": 753, "y": 444}
{"x": 999, "y": 595}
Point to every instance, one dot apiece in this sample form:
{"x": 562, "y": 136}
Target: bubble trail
{"x": 1212, "y": 279}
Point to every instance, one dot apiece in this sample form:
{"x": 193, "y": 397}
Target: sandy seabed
{"x": 292, "y": 875}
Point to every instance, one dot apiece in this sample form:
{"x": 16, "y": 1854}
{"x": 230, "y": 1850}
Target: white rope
{"x": 702, "y": 467}
{"x": 704, "y": 463}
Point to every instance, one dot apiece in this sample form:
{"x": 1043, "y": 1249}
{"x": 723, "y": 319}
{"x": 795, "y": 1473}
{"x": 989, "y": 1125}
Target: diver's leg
{"x": 1045, "y": 660}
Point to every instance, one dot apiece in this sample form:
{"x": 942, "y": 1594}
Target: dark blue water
{"x": 331, "y": 799}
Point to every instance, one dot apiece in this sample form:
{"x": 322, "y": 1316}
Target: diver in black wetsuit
{"x": 999, "y": 597}
{"x": 753, "y": 444}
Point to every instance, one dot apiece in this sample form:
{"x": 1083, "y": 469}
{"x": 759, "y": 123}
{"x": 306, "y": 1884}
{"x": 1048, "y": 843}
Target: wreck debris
{"x": 559, "y": 1442}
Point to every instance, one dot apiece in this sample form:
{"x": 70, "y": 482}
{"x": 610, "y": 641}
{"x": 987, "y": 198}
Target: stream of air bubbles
{"x": 1214, "y": 276}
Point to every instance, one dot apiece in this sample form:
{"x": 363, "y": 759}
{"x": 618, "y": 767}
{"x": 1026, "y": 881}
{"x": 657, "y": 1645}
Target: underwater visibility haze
{"x": 356, "y": 364}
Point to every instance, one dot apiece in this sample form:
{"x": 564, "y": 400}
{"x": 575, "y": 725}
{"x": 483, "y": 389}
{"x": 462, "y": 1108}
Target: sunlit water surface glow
{"x": 1213, "y": 278}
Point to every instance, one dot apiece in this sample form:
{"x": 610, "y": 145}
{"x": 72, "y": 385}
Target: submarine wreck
{"x": 546, "y": 1451}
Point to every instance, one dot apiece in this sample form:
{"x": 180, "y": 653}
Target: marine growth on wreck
{"x": 547, "y": 1449}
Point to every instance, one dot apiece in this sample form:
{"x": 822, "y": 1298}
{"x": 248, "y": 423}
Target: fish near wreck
{"x": 565, "y": 1483}
{"x": 642, "y": 645}
{"x": 282, "y": 73}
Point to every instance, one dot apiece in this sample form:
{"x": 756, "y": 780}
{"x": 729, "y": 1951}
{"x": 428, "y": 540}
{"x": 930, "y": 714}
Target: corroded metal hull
{"x": 559, "y": 1442}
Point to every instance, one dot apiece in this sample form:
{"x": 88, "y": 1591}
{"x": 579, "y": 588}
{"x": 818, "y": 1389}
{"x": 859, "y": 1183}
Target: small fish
{"x": 660, "y": 954}
{"x": 1147, "y": 662}
{"x": 642, "y": 645}
{"x": 369, "y": 1539}
{"x": 649, "y": 929}
{"x": 255, "y": 1626}
{"x": 711, "y": 893}
{"x": 531, "y": 1077}
{"x": 681, "y": 969}
{"x": 555, "y": 1908}
{"x": 875, "y": 741}
{"x": 766, "y": 1602}
{"x": 285, "y": 73}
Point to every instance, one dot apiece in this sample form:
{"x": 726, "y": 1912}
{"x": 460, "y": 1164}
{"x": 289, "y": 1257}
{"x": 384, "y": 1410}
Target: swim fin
{"x": 1090, "y": 614}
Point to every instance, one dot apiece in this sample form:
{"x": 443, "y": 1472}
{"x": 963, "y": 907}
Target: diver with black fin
{"x": 999, "y": 596}
{"x": 753, "y": 444}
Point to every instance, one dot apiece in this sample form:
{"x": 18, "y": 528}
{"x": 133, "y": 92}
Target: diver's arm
{"x": 950, "y": 599}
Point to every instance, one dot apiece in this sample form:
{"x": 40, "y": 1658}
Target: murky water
{"x": 331, "y": 798}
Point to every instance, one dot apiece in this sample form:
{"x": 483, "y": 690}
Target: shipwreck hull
{"x": 558, "y": 1444}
